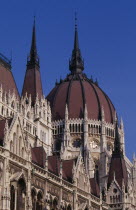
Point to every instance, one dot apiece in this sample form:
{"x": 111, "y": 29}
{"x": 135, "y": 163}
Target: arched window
{"x": 11, "y": 146}
{"x": 13, "y": 104}
{"x": 39, "y": 203}
{"x": 55, "y": 204}
{"x": 12, "y": 198}
{"x": 22, "y": 153}
{"x": 33, "y": 194}
{"x": 69, "y": 207}
{"x": 21, "y": 194}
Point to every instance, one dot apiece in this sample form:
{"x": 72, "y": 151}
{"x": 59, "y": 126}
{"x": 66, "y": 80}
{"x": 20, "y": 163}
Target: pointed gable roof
{"x": 67, "y": 170}
{"x": 117, "y": 165}
{"x": 95, "y": 190}
{"x": 54, "y": 164}
{"x": 38, "y": 156}
{"x": 32, "y": 82}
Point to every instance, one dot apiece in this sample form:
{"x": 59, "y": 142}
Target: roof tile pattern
{"x": 7, "y": 80}
{"x": 76, "y": 91}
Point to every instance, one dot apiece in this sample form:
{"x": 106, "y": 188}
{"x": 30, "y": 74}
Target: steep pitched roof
{"x": 32, "y": 82}
{"x": 67, "y": 167}
{"x": 54, "y": 164}
{"x": 95, "y": 190}
{"x": 117, "y": 165}
{"x": 6, "y": 77}
{"x": 38, "y": 156}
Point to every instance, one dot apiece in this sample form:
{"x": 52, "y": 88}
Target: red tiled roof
{"x": 95, "y": 190}
{"x": 76, "y": 91}
{"x": 67, "y": 167}
{"x": 54, "y": 164}
{"x": 118, "y": 166}
{"x": 38, "y": 156}
{"x": 7, "y": 80}
{"x": 32, "y": 83}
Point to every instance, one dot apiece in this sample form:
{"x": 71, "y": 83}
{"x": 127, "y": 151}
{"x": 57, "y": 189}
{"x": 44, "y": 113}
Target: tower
{"x": 32, "y": 82}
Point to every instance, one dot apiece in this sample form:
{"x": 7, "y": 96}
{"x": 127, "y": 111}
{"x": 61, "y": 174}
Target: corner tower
{"x": 32, "y": 82}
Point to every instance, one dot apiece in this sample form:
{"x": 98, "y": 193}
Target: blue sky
{"x": 107, "y": 35}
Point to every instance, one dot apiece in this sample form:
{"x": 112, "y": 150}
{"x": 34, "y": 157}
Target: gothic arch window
{"x": 69, "y": 207}
{"x": 99, "y": 129}
{"x": 79, "y": 130}
{"x": 13, "y": 104}
{"x": 96, "y": 129}
{"x": 22, "y": 153}
{"x": 21, "y": 194}
{"x": 11, "y": 146}
{"x": 76, "y": 128}
{"x": 70, "y": 128}
{"x": 55, "y": 204}
{"x": 12, "y": 198}
{"x": 39, "y": 203}
{"x": 7, "y": 113}
{"x": 33, "y": 194}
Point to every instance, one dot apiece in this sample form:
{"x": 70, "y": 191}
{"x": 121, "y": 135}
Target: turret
{"x": 66, "y": 129}
{"x": 118, "y": 165}
{"x": 122, "y": 138}
{"x": 32, "y": 82}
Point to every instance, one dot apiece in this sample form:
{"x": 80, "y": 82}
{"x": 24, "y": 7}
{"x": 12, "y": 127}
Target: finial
{"x": 75, "y": 20}
{"x": 121, "y": 124}
{"x": 134, "y": 156}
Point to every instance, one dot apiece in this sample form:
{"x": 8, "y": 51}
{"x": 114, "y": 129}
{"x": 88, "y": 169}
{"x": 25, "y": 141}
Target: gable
{"x": 16, "y": 139}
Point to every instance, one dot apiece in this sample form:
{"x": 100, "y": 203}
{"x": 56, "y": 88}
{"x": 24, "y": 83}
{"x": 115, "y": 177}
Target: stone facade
{"x": 68, "y": 164}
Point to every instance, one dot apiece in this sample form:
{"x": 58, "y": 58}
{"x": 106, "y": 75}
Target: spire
{"x": 32, "y": 82}
{"x": 76, "y": 64}
{"x": 117, "y": 147}
{"x": 33, "y": 58}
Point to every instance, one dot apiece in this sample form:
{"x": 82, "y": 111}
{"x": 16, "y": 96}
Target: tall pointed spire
{"x": 76, "y": 64}
{"x": 33, "y": 58}
{"x": 32, "y": 82}
{"x": 117, "y": 146}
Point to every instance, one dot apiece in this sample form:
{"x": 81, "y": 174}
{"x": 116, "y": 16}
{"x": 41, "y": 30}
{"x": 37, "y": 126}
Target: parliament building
{"x": 65, "y": 151}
